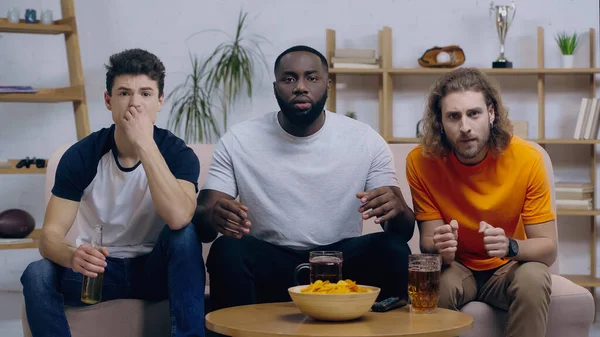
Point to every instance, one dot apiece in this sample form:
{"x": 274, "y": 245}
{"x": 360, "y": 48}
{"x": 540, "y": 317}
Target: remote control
{"x": 388, "y": 304}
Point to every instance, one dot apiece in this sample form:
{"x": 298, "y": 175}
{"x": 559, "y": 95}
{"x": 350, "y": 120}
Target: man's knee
{"x": 457, "y": 287}
{"x": 226, "y": 253}
{"x": 532, "y": 282}
{"x": 449, "y": 294}
{"x": 184, "y": 239}
{"x": 390, "y": 245}
{"x": 38, "y": 276}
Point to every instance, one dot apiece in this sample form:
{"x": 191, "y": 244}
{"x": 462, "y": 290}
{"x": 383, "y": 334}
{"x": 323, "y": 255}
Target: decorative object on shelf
{"x": 27, "y": 162}
{"x": 46, "y": 17}
{"x": 13, "y": 15}
{"x": 567, "y": 44}
{"x": 16, "y": 224}
{"x": 351, "y": 115}
{"x": 442, "y": 57}
{"x": 215, "y": 83}
{"x": 30, "y": 15}
{"x": 503, "y": 16}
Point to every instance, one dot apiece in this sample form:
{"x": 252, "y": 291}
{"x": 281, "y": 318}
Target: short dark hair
{"x": 301, "y": 48}
{"x": 135, "y": 62}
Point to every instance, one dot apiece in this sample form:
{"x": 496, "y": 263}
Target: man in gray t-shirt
{"x": 305, "y": 179}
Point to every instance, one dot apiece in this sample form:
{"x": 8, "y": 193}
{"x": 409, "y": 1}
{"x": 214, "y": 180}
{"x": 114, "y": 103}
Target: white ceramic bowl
{"x": 334, "y": 307}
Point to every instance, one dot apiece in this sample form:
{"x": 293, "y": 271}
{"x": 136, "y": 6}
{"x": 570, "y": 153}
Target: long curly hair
{"x": 434, "y": 141}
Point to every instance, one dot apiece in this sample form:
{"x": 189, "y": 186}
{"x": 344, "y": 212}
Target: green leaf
{"x": 567, "y": 43}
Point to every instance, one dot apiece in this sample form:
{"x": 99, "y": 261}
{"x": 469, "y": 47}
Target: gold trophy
{"x": 503, "y": 17}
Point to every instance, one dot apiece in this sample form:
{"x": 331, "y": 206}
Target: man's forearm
{"x": 428, "y": 247}
{"x": 54, "y": 247}
{"x": 403, "y": 224}
{"x": 170, "y": 199}
{"x": 205, "y": 231}
{"x": 538, "y": 250}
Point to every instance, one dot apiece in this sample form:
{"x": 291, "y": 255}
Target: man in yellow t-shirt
{"x": 482, "y": 200}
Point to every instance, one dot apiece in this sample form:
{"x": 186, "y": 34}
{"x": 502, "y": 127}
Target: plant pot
{"x": 567, "y": 61}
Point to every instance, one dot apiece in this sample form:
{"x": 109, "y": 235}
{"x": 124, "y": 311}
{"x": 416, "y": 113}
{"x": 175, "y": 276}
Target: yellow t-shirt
{"x": 507, "y": 191}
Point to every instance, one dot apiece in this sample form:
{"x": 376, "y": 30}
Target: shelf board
{"x": 403, "y": 140}
{"x": 53, "y": 95}
{"x": 497, "y": 71}
{"x": 23, "y": 170}
{"x": 355, "y": 71}
{"x": 586, "y": 281}
{"x": 59, "y": 27}
{"x": 35, "y": 235}
{"x": 578, "y": 212}
{"x": 567, "y": 141}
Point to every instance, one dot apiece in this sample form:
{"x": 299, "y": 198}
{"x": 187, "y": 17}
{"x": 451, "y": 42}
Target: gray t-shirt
{"x": 301, "y": 191}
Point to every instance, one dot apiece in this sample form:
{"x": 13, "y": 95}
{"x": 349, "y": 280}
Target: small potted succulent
{"x": 567, "y": 44}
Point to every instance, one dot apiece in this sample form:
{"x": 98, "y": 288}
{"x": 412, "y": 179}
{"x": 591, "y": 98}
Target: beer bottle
{"x": 91, "y": 289}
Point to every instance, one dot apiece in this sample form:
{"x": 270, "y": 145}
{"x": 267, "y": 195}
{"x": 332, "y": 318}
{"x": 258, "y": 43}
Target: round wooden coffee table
{"x": 284, "y": 319}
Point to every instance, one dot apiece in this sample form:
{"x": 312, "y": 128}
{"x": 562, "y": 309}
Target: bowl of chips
{"x": 341, "y": 301}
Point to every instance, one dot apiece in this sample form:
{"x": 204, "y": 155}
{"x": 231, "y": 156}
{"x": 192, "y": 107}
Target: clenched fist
{"x": 445, "y": 239}
{"x": 494, "y": 240}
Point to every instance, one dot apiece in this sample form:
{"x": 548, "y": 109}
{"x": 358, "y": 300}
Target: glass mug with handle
{"x": 323, "y": 265}
{"x": 424, "y": 274}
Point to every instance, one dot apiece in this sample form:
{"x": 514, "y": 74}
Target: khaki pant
{"x": 522, "y": 288}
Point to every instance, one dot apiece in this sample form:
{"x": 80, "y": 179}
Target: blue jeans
{"x": 174, "y": 270}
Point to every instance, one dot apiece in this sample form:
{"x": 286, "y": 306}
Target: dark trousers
{"x": 248, "y": 270}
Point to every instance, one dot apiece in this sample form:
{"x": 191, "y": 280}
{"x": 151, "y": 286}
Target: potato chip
{"x": 342, "y": 287}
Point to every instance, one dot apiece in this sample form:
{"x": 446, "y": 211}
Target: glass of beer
{"x": 424, "y": 273}
{"x": 323, "y": 265}
{"x": 91, "y": 289}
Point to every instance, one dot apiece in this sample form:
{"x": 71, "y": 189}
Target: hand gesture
{"x": 494, "y": 240}
{"x": 230, "y": 218}
{"x": 137, "y": 126}
{"x": 89, "y": 261}
{"x": 445, "y": 239}
{"x": 385, "y": 203}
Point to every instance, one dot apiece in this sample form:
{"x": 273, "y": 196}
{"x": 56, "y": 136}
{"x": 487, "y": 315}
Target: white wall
{"x": 162, "y": 27}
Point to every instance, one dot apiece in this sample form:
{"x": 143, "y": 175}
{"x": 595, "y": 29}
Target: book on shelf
{"x": 356, "y": 65}
{"x": 354, "y": 53}
{"x": 365, "y": 60}
{"x": 588, "y": 119}
{"x": 15, "y": 241}
{"x": 16, "y": 89}
{"x": 585, "y": 204}
{"x": 573, "y": 191}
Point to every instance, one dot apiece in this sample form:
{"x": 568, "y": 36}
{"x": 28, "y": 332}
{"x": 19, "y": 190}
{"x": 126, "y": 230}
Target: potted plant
{"x": 567, "y": 44}
{"x": 192, "y": 107}
{"x": 215, "y": 84}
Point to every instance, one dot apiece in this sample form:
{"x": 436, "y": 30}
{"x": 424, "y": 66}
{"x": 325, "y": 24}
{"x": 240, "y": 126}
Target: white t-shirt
{"x": 301, "y": 191}
{"x": 115, "y": 197}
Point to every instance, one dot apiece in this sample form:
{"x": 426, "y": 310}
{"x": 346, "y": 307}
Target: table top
{"x": 284, "y": 319}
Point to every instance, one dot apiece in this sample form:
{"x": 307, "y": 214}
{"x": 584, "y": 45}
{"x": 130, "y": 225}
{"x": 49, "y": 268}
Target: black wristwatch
{"x": 513, "y": 248}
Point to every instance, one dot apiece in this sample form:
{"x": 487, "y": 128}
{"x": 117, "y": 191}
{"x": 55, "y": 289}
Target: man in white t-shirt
{"x": 131, "y": 178}
{"x": 305, "y": 178}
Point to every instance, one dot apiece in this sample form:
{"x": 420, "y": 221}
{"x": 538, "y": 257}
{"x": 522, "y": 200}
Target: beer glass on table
{"x": 424, "y": 273}
{"x": 91, "y": 289}
{"x": 323, "y": 265}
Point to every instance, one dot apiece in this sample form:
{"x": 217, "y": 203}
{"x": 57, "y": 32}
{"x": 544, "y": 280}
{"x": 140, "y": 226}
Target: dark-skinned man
{"x": 298, "y": 180}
